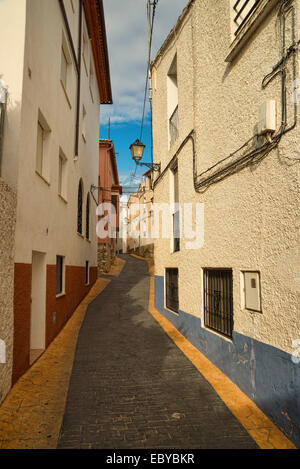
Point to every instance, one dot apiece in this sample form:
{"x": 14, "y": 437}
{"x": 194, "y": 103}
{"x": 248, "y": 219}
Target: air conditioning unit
{"x": 267, "y": 117}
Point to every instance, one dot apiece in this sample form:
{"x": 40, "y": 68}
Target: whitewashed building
{"x": 226, "y": 133}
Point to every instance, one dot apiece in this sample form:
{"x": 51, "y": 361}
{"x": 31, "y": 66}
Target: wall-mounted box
{"x": 252, "y": 292}
{"x": 267, "y": 117}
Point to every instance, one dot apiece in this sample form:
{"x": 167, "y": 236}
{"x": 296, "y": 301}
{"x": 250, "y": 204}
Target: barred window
{"x": 218, "y": 300}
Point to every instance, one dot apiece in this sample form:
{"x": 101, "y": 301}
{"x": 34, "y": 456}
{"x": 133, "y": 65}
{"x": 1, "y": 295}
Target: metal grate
{"x": 173, "y": 126}
{"x": 172, "y": 289}
{"x": 218, "y": 300}
{"x": 242, "y": 11}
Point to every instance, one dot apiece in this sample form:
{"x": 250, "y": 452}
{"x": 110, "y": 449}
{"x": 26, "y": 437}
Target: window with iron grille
{"x": 79, "y": 208}
{"x": 172, "y": 301}
{"x": 218, "y": 300}
{"x": 59, "y": 274}
{"x": 242, "y": 9}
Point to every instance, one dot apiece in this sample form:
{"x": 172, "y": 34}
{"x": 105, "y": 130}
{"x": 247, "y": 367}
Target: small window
{"x": 172, "y": 301}
{"x": 87, "y": 225}
{"x": 62, "y": 175}
{"x": 79, "y": 207}
{"x": 85, "y": 49}
{"x": 172, "y": 98}
{"x": 241, "y": 11}
{"x": 176, "y": 214}
{"x": 92, "y": 80}
{"x": 218, "y": 300}
{"x": 87, "y": 273}
{"x": 252, "y": 295}
{"x": 59, "y": 274}
{"x": 84, "y": 123}
{"x": 64, "y": 68}
{"x": 42, "y": 147}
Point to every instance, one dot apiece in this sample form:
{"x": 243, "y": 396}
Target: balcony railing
{"x": 242, "y": 11}
{"x": 173, "y": 126}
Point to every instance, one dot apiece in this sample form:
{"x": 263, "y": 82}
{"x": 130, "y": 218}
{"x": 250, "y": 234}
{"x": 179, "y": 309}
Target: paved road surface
{"x": 131, "y": 387}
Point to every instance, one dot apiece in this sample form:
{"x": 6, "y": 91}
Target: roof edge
{"x": 170, "y": 36}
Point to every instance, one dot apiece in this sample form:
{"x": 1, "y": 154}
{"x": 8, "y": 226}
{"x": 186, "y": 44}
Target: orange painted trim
{"x": 263, "y": 431}
{"x": 63, "y": 306}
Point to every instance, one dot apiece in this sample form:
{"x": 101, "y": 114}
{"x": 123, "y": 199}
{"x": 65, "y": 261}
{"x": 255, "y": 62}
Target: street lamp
{"x": 137, "y": 150}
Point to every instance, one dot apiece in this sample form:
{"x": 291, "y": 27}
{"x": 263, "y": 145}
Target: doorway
{"x": 38, "y": 306}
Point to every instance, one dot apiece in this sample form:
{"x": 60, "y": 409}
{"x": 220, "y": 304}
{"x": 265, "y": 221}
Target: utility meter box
{"x": 267, "y": 117}
{"x": 252, "y": 291}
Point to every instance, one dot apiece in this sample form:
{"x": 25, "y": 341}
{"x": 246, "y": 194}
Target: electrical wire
{"x": 251, "y": 155}
{"x": 154, "y": 3}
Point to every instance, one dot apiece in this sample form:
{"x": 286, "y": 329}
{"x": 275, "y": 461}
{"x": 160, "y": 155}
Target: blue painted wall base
{"x": 264, "y": 373}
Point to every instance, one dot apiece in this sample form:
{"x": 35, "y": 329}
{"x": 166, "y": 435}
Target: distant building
{"x": 139, "y": 219}
{"x": 226, "y": 132}
{"x": 58, "y": 77}
{"x": 109, "y": 192}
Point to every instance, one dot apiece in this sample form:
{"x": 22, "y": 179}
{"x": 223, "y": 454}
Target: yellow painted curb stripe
{"x": 32, "y": 413}
{"x": 263, "y": 431}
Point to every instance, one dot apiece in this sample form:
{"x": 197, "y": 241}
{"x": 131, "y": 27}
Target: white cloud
{"x": 127, "y": 35}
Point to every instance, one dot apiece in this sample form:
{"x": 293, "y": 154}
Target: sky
{"x": 127, "y": 37}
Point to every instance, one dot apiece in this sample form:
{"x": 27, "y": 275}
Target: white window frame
{"x": 42, "y": 166}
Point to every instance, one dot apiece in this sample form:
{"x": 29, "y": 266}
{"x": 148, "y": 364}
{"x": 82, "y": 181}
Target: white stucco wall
{"x": 251, "y": 217}
{"x": 45, "y": 222}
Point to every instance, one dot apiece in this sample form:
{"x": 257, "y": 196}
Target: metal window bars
{"x": 218, "y": 300}
{"x": 176, "y": 231}
{"x": 243, "y": 10}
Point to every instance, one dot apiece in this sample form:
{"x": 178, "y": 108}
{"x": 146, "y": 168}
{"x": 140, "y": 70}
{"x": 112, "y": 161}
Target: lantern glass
{"x": 137, "y": 150}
